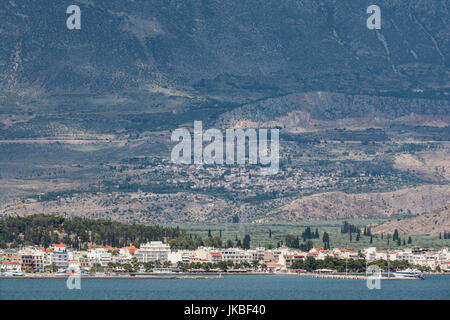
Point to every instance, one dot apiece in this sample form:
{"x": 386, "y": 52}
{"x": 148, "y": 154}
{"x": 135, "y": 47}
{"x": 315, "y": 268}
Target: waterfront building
{"x": 60, "y": 257}
{"x": 99, "y": 256}
{"x": 215, "y": 257}
{"x": 74, "y": 265}
{"x": 257, "y": 254}
{"x": 153, "y": 251}
{"x": 235, "y": 255}
{"x": 370, "y": 253}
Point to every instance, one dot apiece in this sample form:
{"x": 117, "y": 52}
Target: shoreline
{"x": 168, "y": 276}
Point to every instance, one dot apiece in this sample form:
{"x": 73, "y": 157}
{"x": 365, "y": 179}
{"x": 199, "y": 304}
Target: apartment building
{"x": 60, "y": 257}
{"x": 235, "y": 255}
{"x": 153, "y": 251}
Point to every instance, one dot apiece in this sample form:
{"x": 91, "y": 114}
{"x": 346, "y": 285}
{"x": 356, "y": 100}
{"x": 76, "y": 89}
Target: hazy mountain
{"x": 88, "y": 113}
{"x": 230, "y": 49}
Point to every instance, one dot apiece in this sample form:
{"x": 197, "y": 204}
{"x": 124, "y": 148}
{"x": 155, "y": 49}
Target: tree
{"x": 111, "y": 265}
{"x": 409, "y": 240}
{"x": 326, "y": 241}
{"x": 395, "y": 236}
{"x": 348, "y": 228}
{"x": 316, "y": 234}
{"x": 97, "y": 267}
{"x": 307, "y": 234}
{"x": 148, "y": 266}
{"x": 246, "y": 242}
{"x": 326, "y": 237}
{"x": 291, "y": 241}
{"x": 128, "y": 267}
{"x": 53, "y": 267}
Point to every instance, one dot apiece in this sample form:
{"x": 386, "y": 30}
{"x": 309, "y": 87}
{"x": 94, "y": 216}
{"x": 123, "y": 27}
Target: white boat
{"x": 61, "y": 274}
{"x": 408, "y": 273}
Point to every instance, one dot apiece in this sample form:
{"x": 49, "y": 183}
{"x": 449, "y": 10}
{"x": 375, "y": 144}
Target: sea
{"x": 230, "y": 287}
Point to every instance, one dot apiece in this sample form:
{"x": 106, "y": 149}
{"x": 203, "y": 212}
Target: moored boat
{"x": 408, "y": 273}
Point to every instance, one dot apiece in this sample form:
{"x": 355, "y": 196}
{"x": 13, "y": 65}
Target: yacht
{"x": 408, "y": 273}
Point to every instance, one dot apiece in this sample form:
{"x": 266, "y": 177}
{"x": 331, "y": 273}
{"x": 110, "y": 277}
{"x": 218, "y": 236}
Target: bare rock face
{"x": 340, "y": 205}
{"x": 432, "y": 223}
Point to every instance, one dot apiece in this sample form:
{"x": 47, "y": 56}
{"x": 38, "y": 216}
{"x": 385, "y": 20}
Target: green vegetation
{"x": 271, "y": 235}
{"x": 350, "y": 265}
{"x": 222, "y": 265}
{"x": 78, "y": 232}
{"x": 44, "y": 230}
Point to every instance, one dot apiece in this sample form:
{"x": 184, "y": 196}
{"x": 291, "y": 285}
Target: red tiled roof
{"x": 131, "y": 249}
{"x": 215, "y": 254}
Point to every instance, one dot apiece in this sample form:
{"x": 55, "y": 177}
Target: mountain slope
{"x": 432, "y": 223}
{"x": 218, "y": 47}
{"x": 86, "y": 115}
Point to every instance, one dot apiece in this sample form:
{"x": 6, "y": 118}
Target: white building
{"x": 153, "y": 251}
{"x": 175, "y": 257}
{"x": 60, "y": 257}
{"x": 235, "y": 255}
{"x": 257, "y": 254}
{"x": 99, "y": 255}
{"x": 8, "y": 266}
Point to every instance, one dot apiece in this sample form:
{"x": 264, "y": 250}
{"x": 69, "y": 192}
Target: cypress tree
{"x": 395, "y": 236}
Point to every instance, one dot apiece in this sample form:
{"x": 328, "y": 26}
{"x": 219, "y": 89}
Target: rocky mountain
{"x": 86, "y": 115}
{"x": 351, "y": 206}
{"x": 218, "y": 49}
{"x": 432, "y": 223}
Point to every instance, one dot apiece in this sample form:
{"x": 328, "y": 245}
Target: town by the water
{"x": 157, "y": 258}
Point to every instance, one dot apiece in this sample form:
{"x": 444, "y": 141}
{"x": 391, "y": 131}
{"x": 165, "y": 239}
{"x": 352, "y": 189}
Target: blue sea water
{"x": 234, "y": 287}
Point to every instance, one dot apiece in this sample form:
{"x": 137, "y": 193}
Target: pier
{"x": 347, "y": 276}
